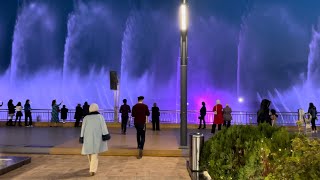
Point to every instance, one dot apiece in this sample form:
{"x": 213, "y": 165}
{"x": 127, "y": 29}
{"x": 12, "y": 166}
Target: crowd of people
{"x": 16, "y": 110}
{"x": 94, "y": 132}
{"x": 222, "y": 116}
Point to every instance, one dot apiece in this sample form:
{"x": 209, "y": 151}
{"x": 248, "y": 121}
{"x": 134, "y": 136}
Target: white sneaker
{"x": 312, "y": 131}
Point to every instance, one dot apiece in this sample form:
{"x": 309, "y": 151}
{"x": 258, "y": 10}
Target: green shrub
{"x": 247, "y": 152}
{"x": 303, "y": 162}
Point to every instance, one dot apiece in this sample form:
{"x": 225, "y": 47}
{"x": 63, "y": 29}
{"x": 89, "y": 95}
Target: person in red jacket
{"x": 218, "y": 116}
{"x": 140, "y": 112}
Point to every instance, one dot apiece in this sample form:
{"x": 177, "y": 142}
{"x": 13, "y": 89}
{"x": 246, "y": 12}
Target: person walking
{"x": 18, "y": 114}
{"x": 64, "y": 113}
{"x": 155, "y": 117}
{"x": 124, "y": 110}
{"x": 78, "y": 115}
{"x": 27, "y": 113}
{"x": 227, "y": 117}
{"x": 140, "y": 112}
{"x": 55, "y": 113}
{"x": 203, "y": 112}
{"x": 218, "y": 117}
{"x": 11, "y": 112}
{"x": 94, "y": 136}
{"x": 313, "y": 111}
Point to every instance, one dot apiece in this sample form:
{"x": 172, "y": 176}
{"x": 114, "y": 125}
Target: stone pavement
{"x": 58, "y": 141}
{"x": 110, "y": 168}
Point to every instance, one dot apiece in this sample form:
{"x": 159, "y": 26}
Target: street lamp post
{"x": 183, "y": 71}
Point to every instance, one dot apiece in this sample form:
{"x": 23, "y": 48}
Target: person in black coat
{"x": 203, "y": 112}
{"x": 155, "y": 117}
{"x": 124, "y": 110}
{"x": 64, "y": 113}
{"x": 11, "y": 112}
{"x": 78, "y": 115}
{"x": 263, "y": 115}
{"x": 85, "y": 109}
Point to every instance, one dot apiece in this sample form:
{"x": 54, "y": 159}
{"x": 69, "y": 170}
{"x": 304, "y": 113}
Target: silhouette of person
{"x": 124, "y": 110}
{"x": 78, "y": 115}
{"x": 155, "y": 117}
{"x": 27, "y": 112}
{"x": 203, "y": 112}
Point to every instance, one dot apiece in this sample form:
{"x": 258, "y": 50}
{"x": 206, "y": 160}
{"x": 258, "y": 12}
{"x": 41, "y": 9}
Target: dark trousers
{"x": 156, "y": 124}
{"x": 28, "y": 115}
{"x": 313, "y": 124}
{"x": 141, "y": 134}
{"x": 77, "y": 124}
{"x": 213, "y": 130}
{"x": 227, "y": 123}
{"x": 201, "y": 118}
{"x": 15, "y": 122}
{"x": 124, "y": 122}
{"x": 9, "y": 122}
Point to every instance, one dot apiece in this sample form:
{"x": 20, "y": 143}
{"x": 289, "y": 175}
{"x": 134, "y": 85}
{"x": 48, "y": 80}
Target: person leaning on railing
{"x": 227, "y": 116}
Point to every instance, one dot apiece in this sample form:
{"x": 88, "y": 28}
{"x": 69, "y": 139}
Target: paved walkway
{"x": 110, "y": 167}
{"x": 45, "y": 140}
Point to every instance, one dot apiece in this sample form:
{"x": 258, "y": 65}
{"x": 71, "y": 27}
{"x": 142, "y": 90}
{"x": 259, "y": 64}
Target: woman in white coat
{"x": 94, "y": 136}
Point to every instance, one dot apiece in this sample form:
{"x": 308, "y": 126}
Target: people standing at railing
{"x": 55, "y": 113}
{"x": 124, "y": 110}
{"x": 263, "y": 113}
{"x": 18, "y": 114}
{"x": 155, "y": 117}
{"x": 203, "y": 112}
{"x": 274, "y": 116}
{"x": 140, "y": 112}
{"x": 313, "y": 111}
{"x": 78, "y": 115}
{"x": 85, "y": 109}
{"x": 218, "y": 117}
{"x": 64, "y": 113}
{"x": 11, "y": 112}
{"x": 227, "y": 117}
{"x": 27, "y": 113}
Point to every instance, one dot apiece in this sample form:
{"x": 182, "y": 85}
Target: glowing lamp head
{"x": 240, "y": 99}
{"x": 183, "y": 17}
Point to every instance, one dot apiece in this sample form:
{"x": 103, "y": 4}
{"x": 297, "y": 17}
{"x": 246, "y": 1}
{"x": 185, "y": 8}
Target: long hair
{"x": 53, "y": 102}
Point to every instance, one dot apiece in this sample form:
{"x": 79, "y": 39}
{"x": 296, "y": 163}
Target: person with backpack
{"x": 124, "y": 110}
{"x": 313, "y": 111}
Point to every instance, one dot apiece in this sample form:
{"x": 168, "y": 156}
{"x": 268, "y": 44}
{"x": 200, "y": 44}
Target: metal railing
{"x": 166, "y": 116}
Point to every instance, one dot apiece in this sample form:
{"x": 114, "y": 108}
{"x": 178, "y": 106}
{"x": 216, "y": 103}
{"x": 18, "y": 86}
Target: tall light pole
{"x": 183, "y": 71}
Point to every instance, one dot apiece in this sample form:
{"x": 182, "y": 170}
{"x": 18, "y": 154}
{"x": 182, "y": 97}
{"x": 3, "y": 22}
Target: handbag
{"x": 215, "y": 112}
{"x": 106, "y": 137}
{"x": 81, "y": 140}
